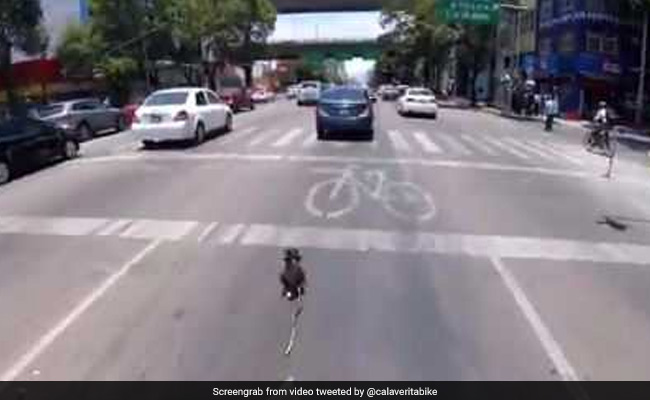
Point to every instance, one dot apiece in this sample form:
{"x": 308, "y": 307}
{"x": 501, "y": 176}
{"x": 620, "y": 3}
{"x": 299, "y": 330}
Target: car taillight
{"x": 182, "y": 116}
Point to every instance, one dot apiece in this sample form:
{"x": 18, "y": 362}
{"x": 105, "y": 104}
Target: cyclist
{"x": 602, "y": 119}
{"x": 293, "y": 277}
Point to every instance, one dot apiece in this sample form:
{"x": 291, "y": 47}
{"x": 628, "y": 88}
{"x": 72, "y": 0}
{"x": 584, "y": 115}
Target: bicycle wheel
{"x": 407, "y": 201}
{"x": 588, "y": 141}
{"x": 325, "y": 200}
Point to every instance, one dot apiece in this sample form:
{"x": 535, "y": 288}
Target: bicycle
{"x": 402, "y": 199}
{"x": 601, "y": 140}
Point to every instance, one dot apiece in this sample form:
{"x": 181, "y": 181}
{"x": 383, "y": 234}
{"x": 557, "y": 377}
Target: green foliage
{"x": 80, "y": 50}
{"x": 20, "y": 28}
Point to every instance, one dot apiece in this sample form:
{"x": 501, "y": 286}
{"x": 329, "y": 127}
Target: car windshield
{"x": 420, "y": 92}
{"x": 344, "y": 94}
{"x": 167, "y": 99}
{"x": 49, "y": 110}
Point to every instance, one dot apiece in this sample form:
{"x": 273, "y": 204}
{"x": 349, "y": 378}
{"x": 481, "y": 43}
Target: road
{"x": 472, "y": 247}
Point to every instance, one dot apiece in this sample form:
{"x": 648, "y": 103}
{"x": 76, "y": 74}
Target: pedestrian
{"x": 551, "y": 110}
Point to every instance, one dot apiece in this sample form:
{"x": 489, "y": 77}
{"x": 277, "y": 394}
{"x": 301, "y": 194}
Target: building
{"x": 516, "y": 55}
{"x": 589, "y": 51}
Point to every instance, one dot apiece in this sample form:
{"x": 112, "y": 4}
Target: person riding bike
{"x": 602, "y": 121}
{"x": 293, "y": 277}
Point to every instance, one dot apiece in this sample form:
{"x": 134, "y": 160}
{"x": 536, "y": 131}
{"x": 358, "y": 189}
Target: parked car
{"x": 181, "y": 114}
{"x": 309, "y": 92}
{"x": 346, "y": 110}
{"x": 262, "y": 96}
{"x": 83, "y": 117}
{"x": 27, "y": 142}
{"x": 419, "y": 101}
{"x": 234, "y": 92}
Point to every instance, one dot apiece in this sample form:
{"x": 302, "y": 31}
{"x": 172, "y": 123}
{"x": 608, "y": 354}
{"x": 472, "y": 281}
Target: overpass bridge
{"x": 317, "y": 51}
{"x": 299, "y": 6}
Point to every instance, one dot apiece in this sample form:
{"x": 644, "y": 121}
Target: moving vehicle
{"x": 262, "y": 96}
{"x": 233, "y": 91}
{"x": 181, "y": 114}
{"x": 418, "y": 101}
{"x": 389, "y": 93}
{"x": 83, "y": 117}
{"x": 309, "y": 92}
{"x": 292, "y": 91}
{"x": 345, "y": 110}
{"x": 26, "y": 142}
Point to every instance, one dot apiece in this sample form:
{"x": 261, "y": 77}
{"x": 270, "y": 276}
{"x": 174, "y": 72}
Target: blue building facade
{"x": 587, "y": 50}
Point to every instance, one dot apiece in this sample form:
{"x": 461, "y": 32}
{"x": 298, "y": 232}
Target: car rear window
{"x": 341, "y": 94}
{"x": 49, "y": 110}
{"x": 310, "y": 85}
{"x": 167, "y": 99}
{"x": 420, "y": 92}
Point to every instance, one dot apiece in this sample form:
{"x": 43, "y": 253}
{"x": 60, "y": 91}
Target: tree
{"x": 20, "y": 28}
{"x": 229, "y": 30}
{"x": 80, "y": 50}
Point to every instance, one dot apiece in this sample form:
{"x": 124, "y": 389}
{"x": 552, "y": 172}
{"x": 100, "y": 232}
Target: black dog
{"x": 293, "y": 277}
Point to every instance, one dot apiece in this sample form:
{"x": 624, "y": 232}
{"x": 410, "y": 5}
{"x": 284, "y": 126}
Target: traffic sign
{"x": 471, "y": 12}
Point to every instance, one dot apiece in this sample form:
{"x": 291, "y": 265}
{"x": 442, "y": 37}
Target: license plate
{"x": 155, "y": 119}
{"x": 345, "y": 112}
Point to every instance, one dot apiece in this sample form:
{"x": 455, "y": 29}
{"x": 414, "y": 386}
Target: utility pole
{"x": 638, "y": 117}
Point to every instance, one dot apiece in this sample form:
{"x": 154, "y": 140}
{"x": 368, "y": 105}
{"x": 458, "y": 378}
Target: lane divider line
{"x": 45, "y": 341}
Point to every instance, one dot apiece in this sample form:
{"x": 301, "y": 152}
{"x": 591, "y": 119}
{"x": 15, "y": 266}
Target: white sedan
{"x": 181, "y": 114}
{"x": 419, "y": 101}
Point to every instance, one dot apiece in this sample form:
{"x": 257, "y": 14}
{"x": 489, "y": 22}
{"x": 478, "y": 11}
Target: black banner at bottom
{"x": 315, "y": 390}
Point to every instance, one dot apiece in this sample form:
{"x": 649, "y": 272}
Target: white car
{"x": 181, "y": 114}
{"x": 420, "y": 101}
{"x": 309, "y": 92}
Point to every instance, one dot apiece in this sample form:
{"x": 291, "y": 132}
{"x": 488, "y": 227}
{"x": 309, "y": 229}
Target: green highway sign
{"x": 472, "y": 12}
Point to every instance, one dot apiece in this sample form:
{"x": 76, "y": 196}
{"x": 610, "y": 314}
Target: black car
{"x": 27, "y": 142}
{"x": 346, "y": 110}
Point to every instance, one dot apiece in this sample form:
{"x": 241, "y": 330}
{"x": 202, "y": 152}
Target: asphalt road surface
{"x": 471, "y": 247}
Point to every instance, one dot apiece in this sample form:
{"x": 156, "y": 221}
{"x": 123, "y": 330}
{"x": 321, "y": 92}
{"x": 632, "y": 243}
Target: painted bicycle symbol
{"x": 335, "y": 197}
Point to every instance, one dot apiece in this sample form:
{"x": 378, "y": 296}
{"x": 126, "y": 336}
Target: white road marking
{"x": 49, "y": 226}
{"x": 398, "y": 141}
{"x": 530, "y": 149}
{"x": 156, "y": 229}
{"x": 45, "y": 341}
{"x": 551, "y": 149}
{"x": 207, "y": 231}
{"x": 262, "y": 136}
{"x": 114, "y": 228}
{"x": 517, "y": 247}
{"x": 310, "y": 141}
{"x": 454, "y": 144}
{"x": 288, "y": 138}
{"x": 238, "y": 135}
{"x": 551, "y": 346}
{"x": 505, "y": 147}
{"x": 478, "y": 143}
{"x": 427, "y": 144}
{"x": 230, "y": 233}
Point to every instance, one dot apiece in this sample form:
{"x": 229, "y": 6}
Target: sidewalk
{"x": 625, "y": 132}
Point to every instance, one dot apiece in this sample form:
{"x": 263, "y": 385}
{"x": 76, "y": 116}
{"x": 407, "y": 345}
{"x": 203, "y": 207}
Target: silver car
{"x": 84, "y": 117}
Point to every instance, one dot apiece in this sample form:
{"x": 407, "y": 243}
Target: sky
{"x": 357, "y": 25}
{"x": 324, "y": 26}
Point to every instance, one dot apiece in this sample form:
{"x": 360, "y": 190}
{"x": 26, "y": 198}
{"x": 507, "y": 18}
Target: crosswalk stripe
{"x": 552, "y": 149}
{"x": 262, "y": 136}
{"x": 482, "y": 146}
{"x": 288, "y": 138}
{"x": 229, "y": 233}
{"x": 427, "y": 144}
{"x": 238, "y": 135}
{"x": 454, "y": 144}
{"x": 398, "y": 141}
{"x": 530, "y": 149}
{"x": 310, "y": 140}
{"x": 153, "y": 229}
{"x": 505, "y": 147}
